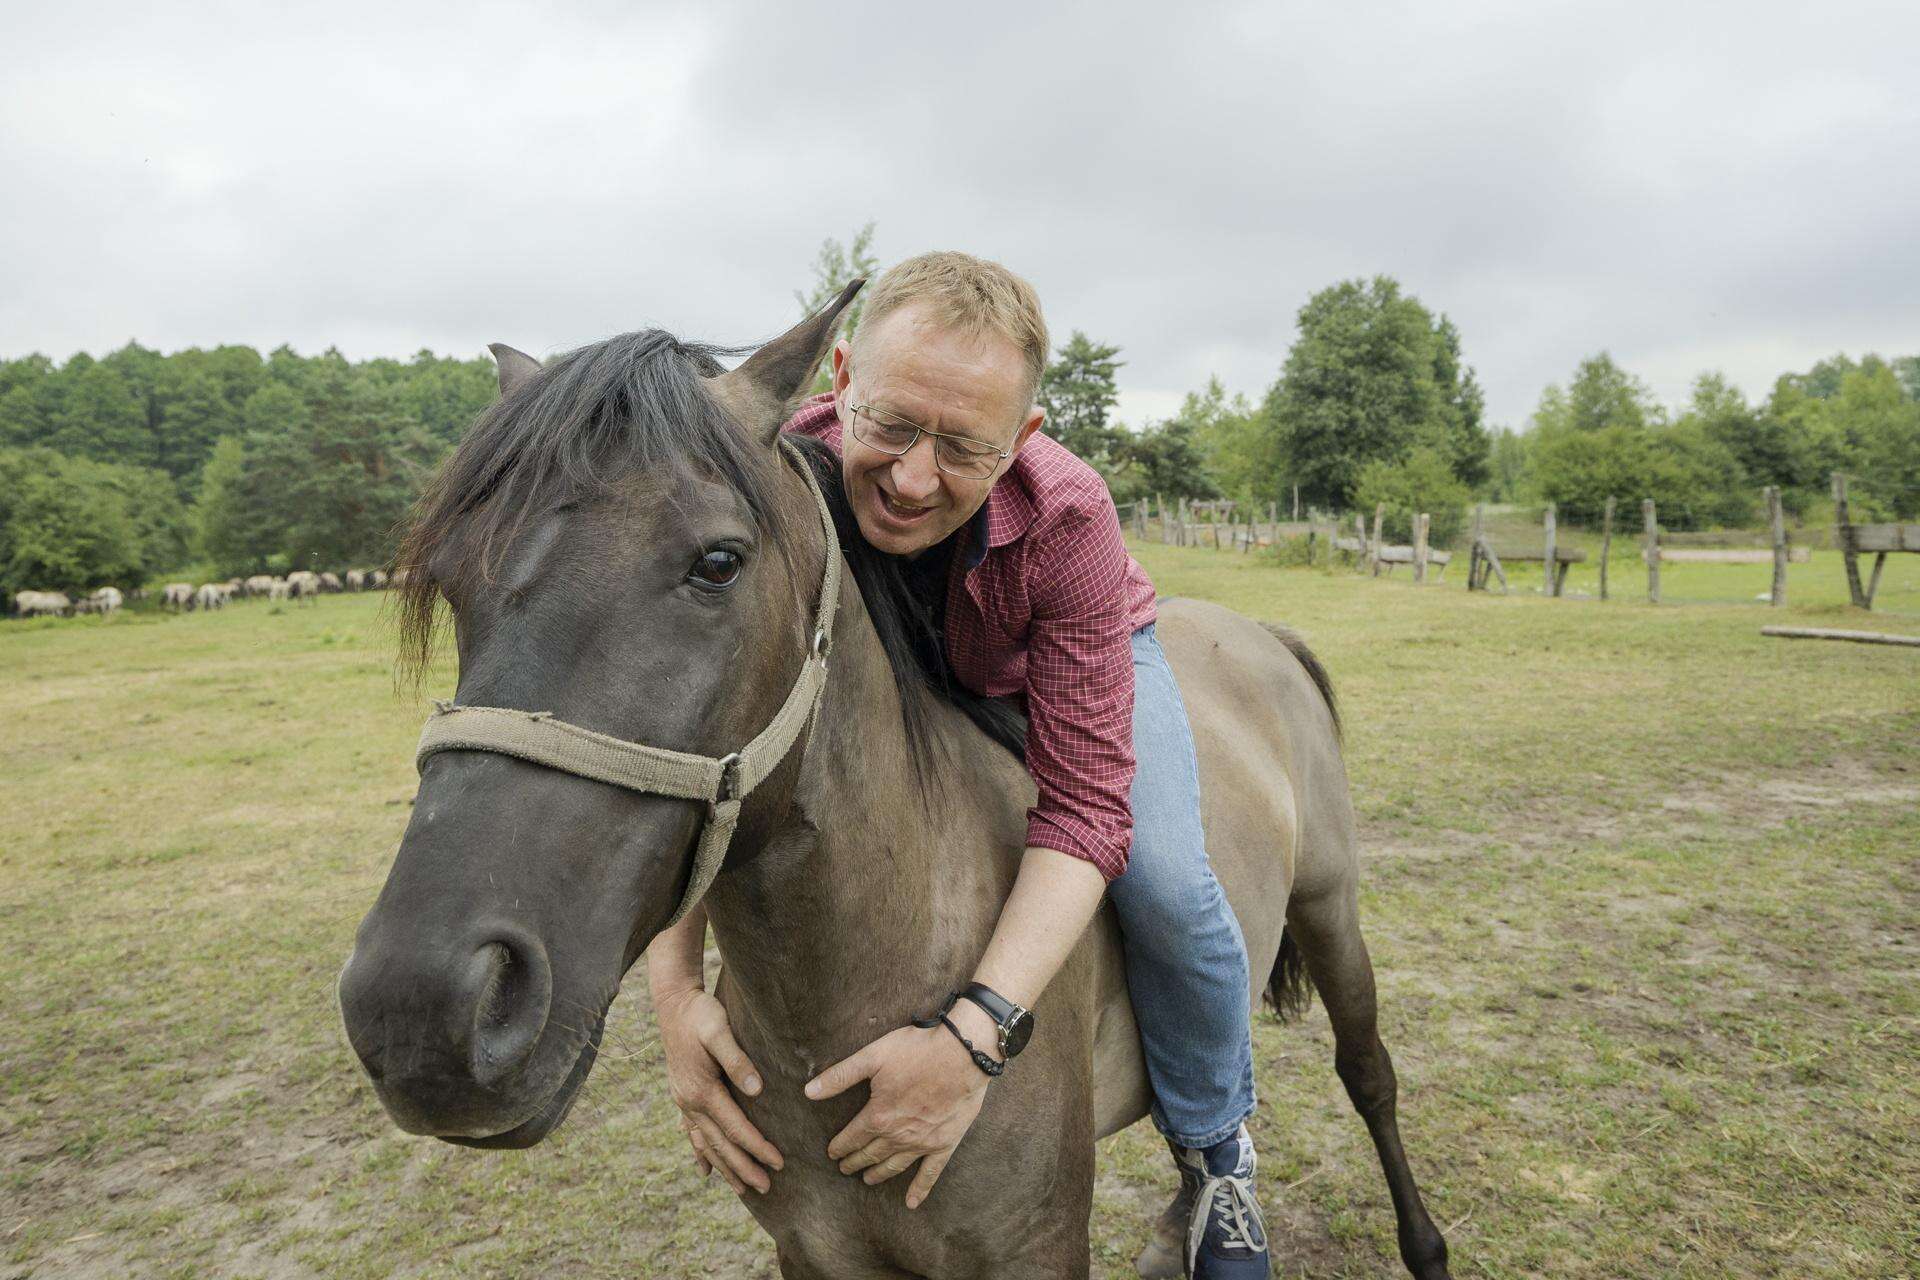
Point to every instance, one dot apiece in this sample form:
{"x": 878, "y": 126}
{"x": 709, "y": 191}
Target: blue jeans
{"x": 1186, "y": 960}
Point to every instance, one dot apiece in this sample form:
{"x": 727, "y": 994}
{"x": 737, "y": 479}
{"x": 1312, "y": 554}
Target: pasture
{"x": 1643, "y": 893}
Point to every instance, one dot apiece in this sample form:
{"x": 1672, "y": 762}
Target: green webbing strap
{"x": 722, "y": 784}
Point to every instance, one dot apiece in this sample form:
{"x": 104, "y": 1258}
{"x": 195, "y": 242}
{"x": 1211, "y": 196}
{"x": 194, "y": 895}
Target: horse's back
{"x": 1259, "y": 725}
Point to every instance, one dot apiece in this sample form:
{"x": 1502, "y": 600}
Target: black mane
{"x": 588, "y": 418}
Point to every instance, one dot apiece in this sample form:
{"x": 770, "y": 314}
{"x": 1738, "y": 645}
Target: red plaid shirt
{"x": 1045, "y": 610}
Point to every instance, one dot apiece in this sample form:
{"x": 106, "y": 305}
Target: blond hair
{"x": 968, "y": 294}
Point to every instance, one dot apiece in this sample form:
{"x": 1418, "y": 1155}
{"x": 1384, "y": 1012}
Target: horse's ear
{"x": 515, "y": 367}
{"x": 763, "y": 390}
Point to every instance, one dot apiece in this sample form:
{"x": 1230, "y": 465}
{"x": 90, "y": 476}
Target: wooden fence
{"x": 1220, "y": 524}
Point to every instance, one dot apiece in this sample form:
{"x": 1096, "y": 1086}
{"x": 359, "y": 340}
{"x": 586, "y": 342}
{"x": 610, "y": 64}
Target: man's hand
{"x": 924, "y": 1095}
{"x": 699, "y": 1045}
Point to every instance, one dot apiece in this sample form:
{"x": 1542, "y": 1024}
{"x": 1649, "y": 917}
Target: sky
{"x": 1687, "y": 186}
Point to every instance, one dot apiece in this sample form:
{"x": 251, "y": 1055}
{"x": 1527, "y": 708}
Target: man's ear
{"x": 1035, "y": 417}
{"x": 762, "y": 392}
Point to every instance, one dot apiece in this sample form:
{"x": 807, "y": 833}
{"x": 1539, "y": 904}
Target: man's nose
{"x": 916, "y": 477}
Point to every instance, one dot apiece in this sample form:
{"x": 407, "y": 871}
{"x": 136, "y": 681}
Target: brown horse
{"x": 629, "y": 551}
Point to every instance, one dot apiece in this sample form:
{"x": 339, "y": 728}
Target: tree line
{"x": 1374, "y": 404}
{"x": 119, "y": 469}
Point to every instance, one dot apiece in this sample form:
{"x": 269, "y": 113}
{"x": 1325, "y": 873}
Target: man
{"x": 1013, "y": 545}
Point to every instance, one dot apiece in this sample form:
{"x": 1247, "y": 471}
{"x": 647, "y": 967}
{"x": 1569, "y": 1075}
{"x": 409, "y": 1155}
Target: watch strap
{"x": 986, "y": 1062}
{"x": 997, "y": 1006}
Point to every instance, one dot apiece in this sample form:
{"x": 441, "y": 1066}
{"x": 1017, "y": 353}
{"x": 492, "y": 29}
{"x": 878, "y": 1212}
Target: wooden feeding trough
{"x": 1485, "y": 561}
{"x": 1856, "y": 540}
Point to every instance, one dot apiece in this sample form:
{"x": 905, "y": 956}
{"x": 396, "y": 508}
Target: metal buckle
{"x": 729, "y": 776}
{"x": 821, "y": 643}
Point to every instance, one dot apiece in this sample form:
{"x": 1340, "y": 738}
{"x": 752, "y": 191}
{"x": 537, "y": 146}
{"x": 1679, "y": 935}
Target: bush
{"x": 73, "y": 524}
{"x": 1421, "y": 482}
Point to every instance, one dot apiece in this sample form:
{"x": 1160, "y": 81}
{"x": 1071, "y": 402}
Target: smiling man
{"x": 1013, "y": 547}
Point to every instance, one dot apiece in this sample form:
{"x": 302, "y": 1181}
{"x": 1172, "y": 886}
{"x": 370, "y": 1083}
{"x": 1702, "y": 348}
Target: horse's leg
{"x": 1327, "y": 930}
{"x": 1164, "y": 1258}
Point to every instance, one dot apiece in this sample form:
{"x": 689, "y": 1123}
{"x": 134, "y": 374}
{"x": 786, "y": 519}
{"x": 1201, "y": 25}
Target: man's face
{"x": 913, "y": 369}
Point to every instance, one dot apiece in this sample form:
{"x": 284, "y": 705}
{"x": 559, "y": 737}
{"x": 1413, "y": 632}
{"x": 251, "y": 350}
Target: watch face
{"x": 1014, "y": 1037}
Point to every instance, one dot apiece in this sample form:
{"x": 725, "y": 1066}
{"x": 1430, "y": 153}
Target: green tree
{"x": 1464, "y": 436}
{"x": 1423, "y": 481}
{"x": 345, "y": 475}
{"x": 1907, "y": 368}
{"x": 1164, "y": 461}
{"x": 77, "y": 523}
{"x": 196, "y": 416}
{"x": 1508, "y": 466}
{"x": 1880, "y": 425}
{"x": 98, "y": 416}
{"x": 445, "y": 394}
{"x": 237, "y": 527}
{"x": 1601, "y": 395}
{"x": 1238, "y": 447}
{"x": 27, "y": 400}
{"x": 1372, "y": 376}
{"x": 1078, "y": 390}
{"x": 835, "y": 267}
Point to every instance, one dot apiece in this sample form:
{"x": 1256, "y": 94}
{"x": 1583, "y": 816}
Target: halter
{"x": 721, "y": 783}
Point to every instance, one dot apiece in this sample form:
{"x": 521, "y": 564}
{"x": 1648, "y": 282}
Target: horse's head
{"x": 622, "y": 546}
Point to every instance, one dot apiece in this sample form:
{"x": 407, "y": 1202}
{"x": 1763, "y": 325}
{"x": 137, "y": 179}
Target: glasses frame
{"x": 999, "y": 455}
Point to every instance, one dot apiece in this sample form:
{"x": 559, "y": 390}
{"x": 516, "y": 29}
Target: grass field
{"x": 1643, "y": 892}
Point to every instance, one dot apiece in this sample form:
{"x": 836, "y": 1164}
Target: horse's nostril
{"x": 512, "y": 987}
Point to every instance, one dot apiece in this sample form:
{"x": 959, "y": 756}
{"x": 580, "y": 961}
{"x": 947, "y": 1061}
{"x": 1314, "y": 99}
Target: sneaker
{"x": 1226, "y": 1238}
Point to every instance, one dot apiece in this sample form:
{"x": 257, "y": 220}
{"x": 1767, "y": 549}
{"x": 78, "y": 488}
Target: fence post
{"x": 1473, "y": 546}
{"x": 1296, "y": 504}
{"x": 1379, "y": 513}
{"x": 1552, "y": 554}
{"x": 1777, "y": 518}
{"x": 1652, "y": 550}
{"x": 1420, "y": 548}
{"x": 1606, "y": 544}
{"x": 1843, "y": 529}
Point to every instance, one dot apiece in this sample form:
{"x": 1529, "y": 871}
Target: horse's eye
{"x": 715, "y": 570}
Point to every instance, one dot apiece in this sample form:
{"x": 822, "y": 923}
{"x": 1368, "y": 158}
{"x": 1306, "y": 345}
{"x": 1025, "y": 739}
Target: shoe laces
{"x": 1229, "y": 1200}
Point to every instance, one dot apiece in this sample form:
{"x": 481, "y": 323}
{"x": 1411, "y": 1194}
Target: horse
{"x": 643, "y": 575}
{"x": 39, "y": 604}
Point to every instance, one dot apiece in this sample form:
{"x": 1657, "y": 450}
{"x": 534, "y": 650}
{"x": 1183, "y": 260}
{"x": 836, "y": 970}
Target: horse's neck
{"x": 865, "y": 906}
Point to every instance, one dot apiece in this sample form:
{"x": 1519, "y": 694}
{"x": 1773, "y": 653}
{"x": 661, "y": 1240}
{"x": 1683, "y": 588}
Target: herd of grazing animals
{"x": 180, "y": 597}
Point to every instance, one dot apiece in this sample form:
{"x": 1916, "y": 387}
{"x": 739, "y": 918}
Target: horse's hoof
{"x": 1158, "y": 1261}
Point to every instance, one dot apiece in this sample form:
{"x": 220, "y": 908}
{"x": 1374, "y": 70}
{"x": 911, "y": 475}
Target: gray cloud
{"x": 1689, "y": 187}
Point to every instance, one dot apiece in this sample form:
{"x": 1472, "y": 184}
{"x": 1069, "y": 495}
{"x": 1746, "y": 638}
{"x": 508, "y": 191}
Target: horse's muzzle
{"x": 450, "y": 1032}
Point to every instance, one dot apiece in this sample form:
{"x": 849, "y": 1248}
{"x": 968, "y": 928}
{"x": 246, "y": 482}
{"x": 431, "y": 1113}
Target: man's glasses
{"x": 955, "y": 455}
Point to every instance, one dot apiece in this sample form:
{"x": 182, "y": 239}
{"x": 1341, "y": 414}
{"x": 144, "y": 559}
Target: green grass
{"x": 1642, "y": 892}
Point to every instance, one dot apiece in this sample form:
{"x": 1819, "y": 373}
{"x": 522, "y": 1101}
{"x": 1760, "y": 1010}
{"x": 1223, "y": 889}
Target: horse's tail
{"x": 1290, "y": 989}
{"x": 1311, "y": 664}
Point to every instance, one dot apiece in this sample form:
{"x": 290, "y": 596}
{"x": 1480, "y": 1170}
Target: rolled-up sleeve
{"x": 1080, "y": 691}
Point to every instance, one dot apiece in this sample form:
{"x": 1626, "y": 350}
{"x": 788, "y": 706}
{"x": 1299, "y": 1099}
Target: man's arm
{"x": 699, "y": 1046}
{"x": 1054, "y": 897}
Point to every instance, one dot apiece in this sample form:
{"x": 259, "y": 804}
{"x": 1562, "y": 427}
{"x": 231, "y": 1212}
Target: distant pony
{"x": 41, "y": 604}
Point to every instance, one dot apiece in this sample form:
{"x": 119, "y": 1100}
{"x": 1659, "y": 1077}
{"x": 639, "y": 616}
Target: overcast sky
{"x": 1689, "y": 186}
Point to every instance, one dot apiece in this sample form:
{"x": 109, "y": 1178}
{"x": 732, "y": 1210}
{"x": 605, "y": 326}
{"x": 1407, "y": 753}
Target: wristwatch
{"x": 1014, "y": 1022}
